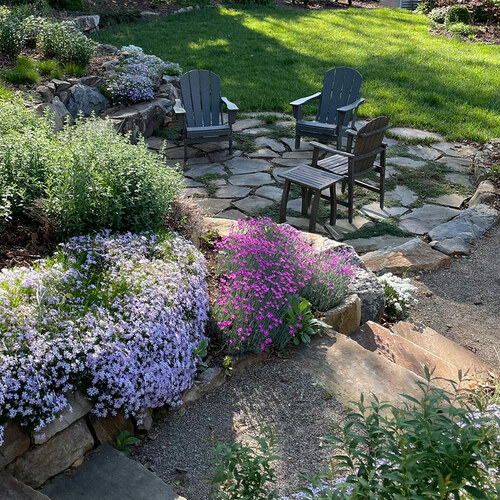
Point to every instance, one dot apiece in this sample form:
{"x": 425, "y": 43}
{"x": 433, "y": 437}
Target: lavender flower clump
{"x": 117, "y": 317}
{"x": 263, "y": 268}
{"x": 139, "y": 75}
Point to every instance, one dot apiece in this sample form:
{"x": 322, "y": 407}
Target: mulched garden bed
{"x": 485, "y": 34}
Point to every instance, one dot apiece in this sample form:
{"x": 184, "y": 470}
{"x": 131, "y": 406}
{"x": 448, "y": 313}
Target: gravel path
{"x": 462, "y": 301}
{"x": 271, "y": 394}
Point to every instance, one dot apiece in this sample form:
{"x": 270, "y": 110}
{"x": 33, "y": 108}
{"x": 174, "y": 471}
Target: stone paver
{"x": 197, "y": 160}
{"x": 178, "y": 153}
{"x": 247, "y": 166}
{"x": 252, "y": 180}
{"x": 210, "y": 147}
{"x": 422, "y": 220}
{"x": 232, "y": 192}
{"x": 157, "y": 143}
{"x": 264, "y": 153}
{"x": 449, "y": 200}
{"x": 295, "y": 205}
{"x": 290, "y": 142}
{"x": 256, "y": 131}
{"x": 364, "y": 245}
{"x": 212, "y": 206}
{"x": 403, "y": 161}
{"x": 449, "y": 148}
{"x": 231, "y": 214}
{"x": 289, "y": 162}
{"x": 374, "y": 210}
{"x": 402, "y": 194}
{"x": 414, "y": 133}
{"x": 424, "y": 152}
{"x": 222, "y": 156}
{"x": 303, "y": 224}
{"x": 460, "y": 179}
{"x": 272, "y": 192}
{"x": 457, "y": 164}
{"x": 276, "y": 146}
{"x": 343, "y": 226}
{"x": 298, "y": 155}
{"x": 194, "y": 192}
{"x": 252, "y": 205}
{"x": 190, "y": 183}
{"x": 277, "y": 171}
{"x": 207, "y": 169}
{"x": 246, "y": 123}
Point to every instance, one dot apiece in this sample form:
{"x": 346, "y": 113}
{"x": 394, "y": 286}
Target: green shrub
{"x": 462, "y": 30}
{"x": 11, "y": 33}
{"x": 72, "y": 5}
{"x": 458, "y": 14}
{"x": 63, "y": 42}
{"x": 49, "y": 68}
{"x": 438, "y": 15}
{"x": 33, "y": 27}
{"x": 24, "y": 72}
{"x": 74, "y": 69}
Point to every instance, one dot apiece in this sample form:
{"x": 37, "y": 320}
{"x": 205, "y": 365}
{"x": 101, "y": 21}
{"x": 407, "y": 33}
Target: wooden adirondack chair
{"x": 200, "y": 110}
{"x": 339, "y": 101}
{"x": 368, "y": 145}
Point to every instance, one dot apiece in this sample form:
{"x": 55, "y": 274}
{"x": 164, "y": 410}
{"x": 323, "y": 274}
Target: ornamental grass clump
{"x": 118, "y": 317}
{"x": 263, "y": 269}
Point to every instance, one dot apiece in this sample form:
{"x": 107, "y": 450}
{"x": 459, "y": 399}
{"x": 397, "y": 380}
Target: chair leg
{"x": 314, "y": 211}
{"x": 333, "y": 205}
{"x": 284, "y": 200}
{"x": 305, "y": 200}
{"x": 185, "y": 152}
{"x": 297, "y": 140}
{"x": 343, "y": 186}
{"x": 382, "y": 187}
{"x": 350, "y": 200}
{"x": 231, "y": 145}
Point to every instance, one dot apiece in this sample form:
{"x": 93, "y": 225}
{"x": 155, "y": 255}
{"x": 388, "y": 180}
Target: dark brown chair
{"x": 368, "y": 144}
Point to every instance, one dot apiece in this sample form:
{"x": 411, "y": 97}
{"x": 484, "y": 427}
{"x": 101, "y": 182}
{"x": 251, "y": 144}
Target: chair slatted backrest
{"x": 201, "y": 98}
{"x": 369, "y": 138}
{"x": 341, "y": 86}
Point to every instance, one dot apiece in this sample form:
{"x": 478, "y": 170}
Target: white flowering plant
{"x": 398, "y": 295}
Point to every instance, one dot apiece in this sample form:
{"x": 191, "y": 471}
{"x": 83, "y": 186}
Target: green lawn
{"x": 269, "y": 56}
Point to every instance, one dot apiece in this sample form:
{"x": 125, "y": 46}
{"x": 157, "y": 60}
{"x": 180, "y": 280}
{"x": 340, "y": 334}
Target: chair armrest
{"x": 178, "y": 109}
{"x": 305, "y": 100}
{"x": 229, "y": 105}
{"x": 328, "y": 149}
{"x": 353, "y": 105}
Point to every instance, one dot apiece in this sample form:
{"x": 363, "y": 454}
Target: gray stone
{"x": 247, "y": 166}
{"x": 189, "y": 183}
{"x": 194, "y": 192}
{"x": 107, "y": 429}
{"x": 303, "y": 224}
{"x": 449, "y": 200}
{"x": 178, "y": 153}
{"x": 272, "y": 192}
{"x": 459, "y": 179}
{"x": 202, "y": 170}
{"x": 256, "y": 131}
{"x": 485, "y": 193}
{"x": 209, "y": 379}
{"x": 91, "y": 81}
{"x": 371, "y": 293}
{"x": 373, "y": 210}
{"x": 45, "y": 93}
{"x": 457, "y": 164}
{"x": 298, "y": 155}
{"x": 252, "y": 204}
{"x": 231, "y": 215}
{"x": 424, "y": 152}
{"x": 422, "y": 220}
{"x": 295, "y": 205}
{"x": 414, "y": 133}
{"x": 86, "y": 100}
{"x": 290, "y": 142}
{"x": 154, "y": 142}
{"x": 142, "y": 118}
{"x": 257, "y": 179}
{"x": 146, "y": 14}
{"x": 346, "y": 317}
{"x": 78, "y": 407}
{"x": 403, "y": 161}
{"x": 222, "y": 156}
{"x": 343, "y": 227}
{"x": 212, "y": 206}
{"x": 402, "y": 194}
{"x": 285, "y": 123}
{"x": 277, "y": 171}
{"x": 109, "y": 474}
{"x": 246, "y": 123}
{"x": 363, "y": 245}
{"x": 390, "y": 171}
{"x": 197, "y": 160}
{"x": 58, "y": 112}
{"x": 41, "y": 463}
{"x": 87, "y": 23}
{"x": 12, "y": 489}
{"x": 263, "y": 153}
{"x": 453, "y": 246}
{"x": 448, "y": 148}
{"x": 289, "y": 162}
{"x": 15, "y": 443}
{"x": 61, "y": 85}
{"x": 210, "y": 147}
{"x": 232, "y": 192}
{"x": 276, "y": 146}
{"x": 63, "y": 96}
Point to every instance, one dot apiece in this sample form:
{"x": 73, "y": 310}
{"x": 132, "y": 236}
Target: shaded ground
{"x": 462, "y": 301}
{"x": 272, "y": 394}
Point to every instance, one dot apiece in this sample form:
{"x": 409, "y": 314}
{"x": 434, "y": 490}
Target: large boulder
{"x": 86, "y": 100}
{"x": 58, "y": 112}
{"x": 87, "y": 23}
{"x": 15, "y": 443}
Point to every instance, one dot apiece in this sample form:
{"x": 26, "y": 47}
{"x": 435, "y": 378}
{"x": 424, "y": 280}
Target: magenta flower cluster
{"x": 263, "y": 267}
{"x": 117, "y": 317}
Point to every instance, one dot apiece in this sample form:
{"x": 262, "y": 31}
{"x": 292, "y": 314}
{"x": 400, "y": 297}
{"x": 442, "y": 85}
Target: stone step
{"x": 109, "y": 475}
{"x": 12, "y": 489}
{"x": 346, "y": 369}
{"x": 440, "y": 346}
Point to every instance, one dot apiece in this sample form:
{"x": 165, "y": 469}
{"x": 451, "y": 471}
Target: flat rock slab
{"x": 210, "y": 147}
{"x": 422, "y": 220}
{"x": 252, "y": 180}
{"x": 459, "y": 179}
{"x": 449, "y": 200}
{"x": 240, "y": 125}
{"x": 207, "y": 169}
{"x": 277, "y": 171}
{"x": 273, "y": 144}
{"x": 256, "y": 131}
{"x": 303, "y": 224}
{"x": 449, "y": 148}
{"x": 190, "y": 183}
{"x": 403, "y": 161}
{"x": 110, "y": 475}
{"x": 414, "y": 255}
{"x": 157, "y": 143}
{"x": 403, "y": 195}
{"x": 289, "y": 162}
{"x": 455, "y": 236}
{"x": 178, "y": 153}
{"x": 194, "y": 192}
{"x": 457, "y": 164}
{"x": 247, "y": 166}
{"x": 364, "y": 245}
{"x": 232, "y": 215}
{"x": 272, "y": 192}
{"x": 424, "y": 152}
{"x": 343, "y": 227}
{"x": 264, "y": 153}
{"x": 253, "y": 204}
{"x": 224, "y": 155}
{"x": 290, "y": 142}
{"x": 12, "y": 489}
{"x": 232, "y": 192}
{"x": 212, "y": 206}
{"x": 415, "y": 133}
{"x": 373, "y": 210}
{"x": 298, "y": 155}
{"x": 295, "y": 205}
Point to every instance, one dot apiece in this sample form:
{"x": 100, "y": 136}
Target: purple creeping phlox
{"x": 262, "y": 268}
{"x": 116, "y": 316}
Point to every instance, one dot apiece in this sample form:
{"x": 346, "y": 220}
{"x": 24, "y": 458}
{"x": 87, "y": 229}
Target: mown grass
{"x": 268, "y": 56}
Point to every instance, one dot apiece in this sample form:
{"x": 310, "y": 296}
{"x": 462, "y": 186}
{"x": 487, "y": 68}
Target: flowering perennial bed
{"x": 264, "y": 269}
{"x": 117, "y": 317}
